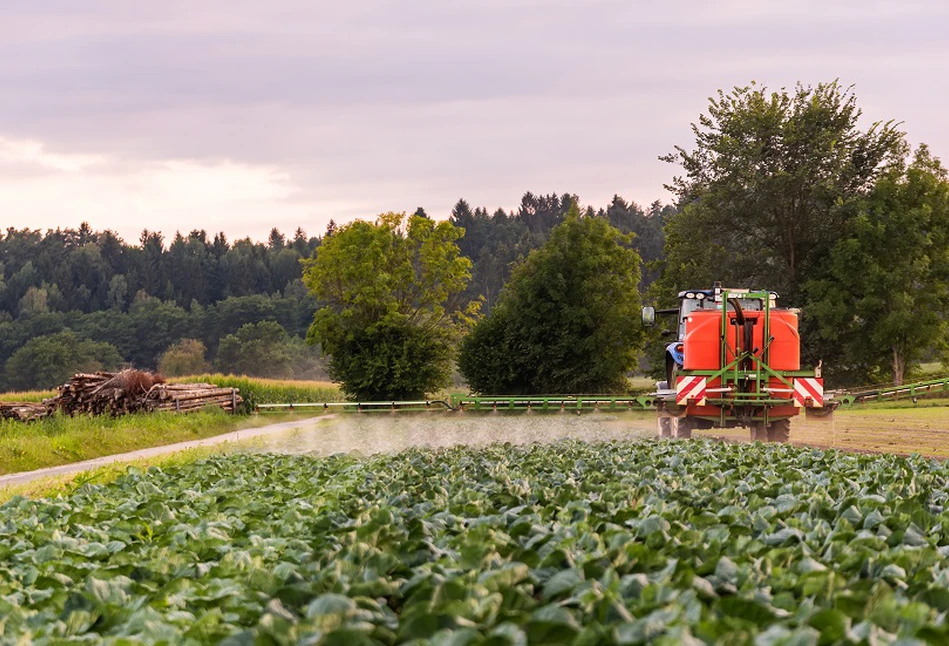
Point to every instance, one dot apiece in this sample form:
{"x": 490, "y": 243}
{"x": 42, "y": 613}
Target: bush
{"x": 391, "y": 360}
{"x": 568, "y": 320}
{"x": 187, "y": 357}
{"x": 260, "y": 349}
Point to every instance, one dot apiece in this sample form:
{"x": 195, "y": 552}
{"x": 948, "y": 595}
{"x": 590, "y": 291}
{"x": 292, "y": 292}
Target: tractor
{"x": 735, "y": 362}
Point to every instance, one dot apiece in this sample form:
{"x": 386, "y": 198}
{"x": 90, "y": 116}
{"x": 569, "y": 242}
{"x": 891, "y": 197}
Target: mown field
{"x": 617, "y": 542}
{"x": 893, "y": 427}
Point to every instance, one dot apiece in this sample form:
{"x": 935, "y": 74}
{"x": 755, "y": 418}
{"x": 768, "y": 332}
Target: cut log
{"x": 23, "y": 411}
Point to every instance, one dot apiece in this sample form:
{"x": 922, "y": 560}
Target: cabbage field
{"x": 570, "y": 542}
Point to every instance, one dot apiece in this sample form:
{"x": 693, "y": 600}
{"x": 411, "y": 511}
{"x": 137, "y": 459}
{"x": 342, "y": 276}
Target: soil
{"x": 863, "y": 429}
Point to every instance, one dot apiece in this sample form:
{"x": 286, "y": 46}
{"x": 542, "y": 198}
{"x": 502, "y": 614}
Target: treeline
{"x": 79, "y": 299}
{"x": 88, "y": 271}
{"x": 494, "y": 242}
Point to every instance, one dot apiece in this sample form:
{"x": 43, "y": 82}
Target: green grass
{"x": 271, "y": 391}
{"x": 65, "y": 485}
{"x": 932, "y": 368}
{"x": 63, "y": 440}
{"x": 27, "y": 396}
{"x": 641, "y": 384}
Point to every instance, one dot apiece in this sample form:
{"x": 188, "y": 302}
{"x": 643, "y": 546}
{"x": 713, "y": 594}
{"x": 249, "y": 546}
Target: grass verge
{"x": 65, "y": 485}
{"x": 60, "y": 440}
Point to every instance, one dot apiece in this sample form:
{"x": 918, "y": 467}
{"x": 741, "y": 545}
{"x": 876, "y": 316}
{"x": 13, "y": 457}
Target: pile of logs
{"x": 132, "y": 391}
{"x": 181, "y": 398}
{"x": 23, "y": 411}
{"x": 113, "y": 393}
{"x": 119, "y": 393}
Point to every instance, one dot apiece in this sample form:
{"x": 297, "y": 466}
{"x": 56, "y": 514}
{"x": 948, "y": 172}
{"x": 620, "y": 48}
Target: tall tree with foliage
{"x": 568, "y": 320}
{"x": 885, "y": 300}
{"x": 765, "y": 189}
{"x": 393, "y": 304}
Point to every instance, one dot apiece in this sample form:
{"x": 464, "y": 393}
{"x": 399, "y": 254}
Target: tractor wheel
{"x": 665, "y": 427}
{"x": 758, "y": 432}
{"x": 684, "y": 427}
{"x": 779, "y": 430}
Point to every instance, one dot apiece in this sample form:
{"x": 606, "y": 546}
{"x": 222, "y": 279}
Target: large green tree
{"x": 568, "y": 320}
{"x": 393, "y": 305}
{"x": 766, "y": 188}
{"x": 885, "y": 298}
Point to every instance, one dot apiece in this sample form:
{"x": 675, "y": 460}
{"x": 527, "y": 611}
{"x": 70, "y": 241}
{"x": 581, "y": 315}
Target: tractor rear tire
{"x": 779, "y": 430}
{"x": 684, "y": 427}
{"x": 665, "y": 427}
{"x": 758, "y": 433}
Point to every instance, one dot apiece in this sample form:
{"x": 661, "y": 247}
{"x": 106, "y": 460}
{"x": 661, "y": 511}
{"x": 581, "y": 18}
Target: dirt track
{"x": 923, "y": 430}
{"x": 245, "y": 435}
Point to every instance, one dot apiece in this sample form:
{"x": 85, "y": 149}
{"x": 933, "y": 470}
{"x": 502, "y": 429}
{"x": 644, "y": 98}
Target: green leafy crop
{"x": 619, "y": 542}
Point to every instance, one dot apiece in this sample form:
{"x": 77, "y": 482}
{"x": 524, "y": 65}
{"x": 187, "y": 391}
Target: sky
{"x": 240, "y": 116}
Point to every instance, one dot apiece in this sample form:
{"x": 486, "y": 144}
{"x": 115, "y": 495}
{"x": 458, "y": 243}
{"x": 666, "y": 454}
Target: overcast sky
{"x": 240, "y": 116}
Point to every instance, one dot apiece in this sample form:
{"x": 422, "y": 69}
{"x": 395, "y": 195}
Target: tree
{"x": 766, "y": 189}
{"x": 568, "y": 320}
{"x": 885, "y": 300}
{"x": 257, "y": 349}
{"x": 393, "y": 306}
{"x": 34, "y": 302}
{"x": 156, "y": 326}
{"x": 47, "y": 361}
{"x": 187, "y": 357}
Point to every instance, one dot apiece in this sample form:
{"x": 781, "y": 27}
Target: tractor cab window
{"x": 689, "y": 305}
{"x": 747, "y": 304}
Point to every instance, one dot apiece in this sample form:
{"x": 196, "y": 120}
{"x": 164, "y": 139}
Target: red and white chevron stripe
{"x": 809, "y": 388}
{"x": 691, "y": 388}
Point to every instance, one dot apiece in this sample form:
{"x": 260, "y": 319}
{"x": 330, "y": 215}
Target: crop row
{"x": 619, "y": 542}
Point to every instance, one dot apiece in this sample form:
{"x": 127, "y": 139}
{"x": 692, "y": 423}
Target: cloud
{"x": 28, "y": 157}
{"x": 239, "y": 114}
{"x": 131, "y": 195}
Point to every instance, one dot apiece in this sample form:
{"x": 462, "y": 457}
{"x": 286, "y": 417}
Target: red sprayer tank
{"x": 701, "y": 344}
{"x": 785, "y": 350}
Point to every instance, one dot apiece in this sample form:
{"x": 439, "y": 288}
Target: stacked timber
{"x": 106, "y": 393}
{"x": 133, "y": 391}
{"x": 23, "y": 411}
{"x": 181, "y": 398}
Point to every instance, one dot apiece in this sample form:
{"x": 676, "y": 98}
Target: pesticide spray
{"x": 369, "y": 433}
